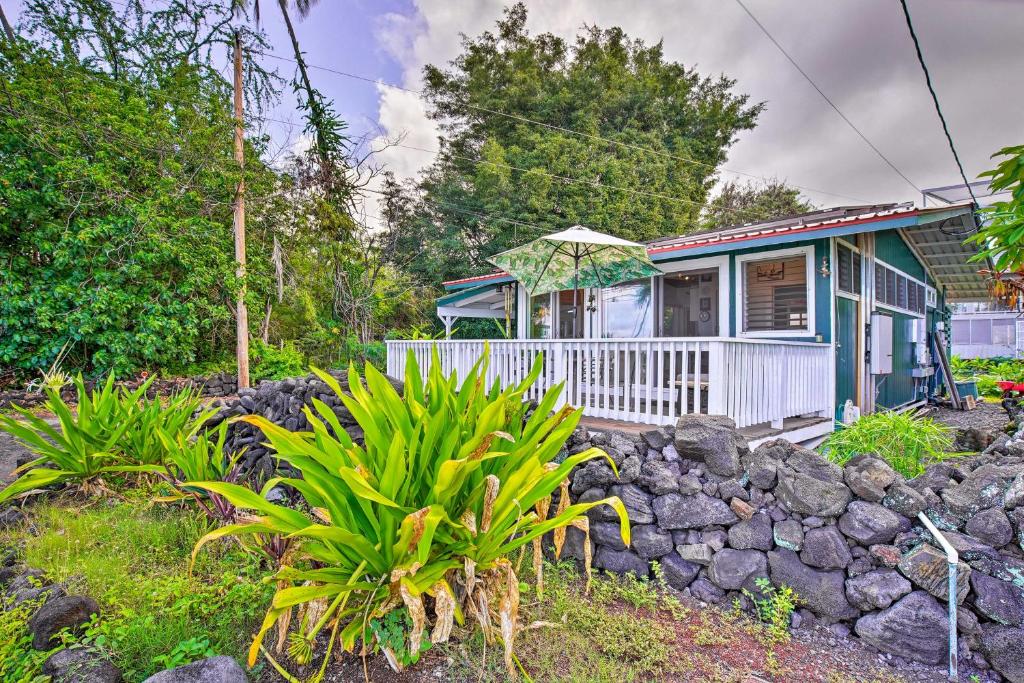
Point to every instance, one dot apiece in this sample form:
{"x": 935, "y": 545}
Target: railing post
{"x": 716, "y": 377}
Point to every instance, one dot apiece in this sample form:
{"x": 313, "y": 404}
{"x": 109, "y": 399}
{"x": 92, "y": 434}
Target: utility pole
{"x": 241, "y": 314}
{"x": 7, "y": 25}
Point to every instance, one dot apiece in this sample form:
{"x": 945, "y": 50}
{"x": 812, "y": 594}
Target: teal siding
{"x": 822, "y": 289}
{"x": 890, "y": 248}
{"x": 897, "y": 389}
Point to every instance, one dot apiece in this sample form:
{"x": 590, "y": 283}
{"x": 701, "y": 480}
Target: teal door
{"x": 846, "y": 352}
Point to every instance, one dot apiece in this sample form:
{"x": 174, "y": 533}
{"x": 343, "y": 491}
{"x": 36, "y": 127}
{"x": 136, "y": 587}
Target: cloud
{"x": 858, "y": 51}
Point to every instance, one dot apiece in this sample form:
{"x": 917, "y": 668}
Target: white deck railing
{"x": 654, "y": 380}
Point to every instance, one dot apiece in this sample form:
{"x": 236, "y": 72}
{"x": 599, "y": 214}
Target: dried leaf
{"x": 583, "y": 524}
{"x": 414, "y": 603}
{"x": 563, "y": 503}
{"x": 490, "y": 494}
{"x": 444, "y": 610}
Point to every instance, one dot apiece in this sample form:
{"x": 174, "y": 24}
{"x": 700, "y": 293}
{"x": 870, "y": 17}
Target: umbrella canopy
{"x": 574, "y": 258}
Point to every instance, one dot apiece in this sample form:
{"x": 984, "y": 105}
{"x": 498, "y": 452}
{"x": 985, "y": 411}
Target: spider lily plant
{"x": 453, "y": 477}
{"x": 84, "y": 446}
{"x": 181, "y": 415}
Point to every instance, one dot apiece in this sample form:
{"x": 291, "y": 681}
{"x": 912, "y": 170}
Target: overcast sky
{"x": 858, "y": 52}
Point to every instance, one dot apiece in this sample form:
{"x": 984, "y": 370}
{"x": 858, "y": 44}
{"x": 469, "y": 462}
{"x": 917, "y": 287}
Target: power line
{"x": 935, "y": 99}
{"x": 523, "y": 119}
{"x": 826, "y": 97}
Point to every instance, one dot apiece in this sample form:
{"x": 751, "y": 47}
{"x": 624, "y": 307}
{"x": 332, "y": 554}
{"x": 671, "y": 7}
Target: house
{"x": 781, "y": 325}
{"x": 987, "y": 330}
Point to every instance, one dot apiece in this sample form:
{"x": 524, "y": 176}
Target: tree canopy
{"x": 736, "y": 204}
{"x": 627, "y": 142}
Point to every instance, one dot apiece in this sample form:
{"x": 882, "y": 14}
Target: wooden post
{"x": 8, "y": 31}
{"x": 241, "y": 314}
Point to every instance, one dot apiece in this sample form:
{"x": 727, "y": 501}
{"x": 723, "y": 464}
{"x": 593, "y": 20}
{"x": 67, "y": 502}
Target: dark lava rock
{"x": 904, "y": 500}
{"x": 926, "y": 567}
{"x": 825, "y": 548}
{"x": 650, "y": 542}
{"x": 754, "y": 533}
{"x": 713, "y": 440}
{"x": 788, "y": 534}
{"x": 876, "y": 589}
{"x": 213, "y": 670}
{"x": 703, "y": 589}
{"x": 659, "y": 477}
{"x": 656, "y": 439}
{"x": 823, "y": 592}
{"x": 637, "y": 502}
{"x": 762, "y": 464}
{"x": 10, "y": 516}
{"x": 869, "y": 477}
{"x": 991, "y": 526}
{"x": 607, "y": 534}
{"x": 621, "y": 561}
{"x": 675, "y": 511}
{"x": 71, "y": 611}
{"x": 983, "y": 488}
{"x": 730, "y": 569}
{"x": 870, "y": 523}
{"x": 1004, "y": 648}
{"x": 807, "y": 495}
{"x": 80, "y": 665}
{"x": 1000, "y": 601}
{"x": 914, "y": 628}
{"x": 678, "y": 572}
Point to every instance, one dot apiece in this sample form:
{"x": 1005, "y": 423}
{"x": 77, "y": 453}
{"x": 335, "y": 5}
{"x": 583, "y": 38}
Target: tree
{"x": 1001, "y": 237}
{"x": 116, "y": 183}
{"x": 737, "y": 204}
{"x": 629, "y": 142}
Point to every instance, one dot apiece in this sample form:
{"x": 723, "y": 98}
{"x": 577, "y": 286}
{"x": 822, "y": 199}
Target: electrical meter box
{"x": 881, "y": 344}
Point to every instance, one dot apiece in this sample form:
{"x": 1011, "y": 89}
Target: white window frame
{"x": 601, "y": 317}
{"x": 741, "y": 289}
{"x": 706, "y": 263}
{"x": 835, "y": 260}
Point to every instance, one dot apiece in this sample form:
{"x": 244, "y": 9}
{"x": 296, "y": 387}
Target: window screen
{"x": 775, "y": 295}
{"x": 981, "y": 332}
{"x": 1003, "y": 332}
{"x": 901, "y": 291}
{"x": 961, "y": 331}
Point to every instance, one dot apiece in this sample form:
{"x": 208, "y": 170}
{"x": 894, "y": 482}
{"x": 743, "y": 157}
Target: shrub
{"x": 774, "y": 607}
{"x": 273, "y": 362}
{"x": 452, "y": 478}
{"x": 19, "y": 661}
{"x": 906, "y": 442}
{"x": 148, "y": 418}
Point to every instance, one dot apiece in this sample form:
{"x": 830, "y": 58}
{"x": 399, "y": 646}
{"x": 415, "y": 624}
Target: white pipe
{"x": 952, "y": 559}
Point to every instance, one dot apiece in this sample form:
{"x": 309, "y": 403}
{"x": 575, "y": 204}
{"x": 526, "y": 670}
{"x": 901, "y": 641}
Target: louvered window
{"x": 775, "y": 295}
{"x": 848, "y": 269}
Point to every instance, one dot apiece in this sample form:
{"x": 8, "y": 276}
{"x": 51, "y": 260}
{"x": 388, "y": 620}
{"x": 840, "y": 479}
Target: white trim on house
{"x": 706, "y": 263}
{"x": 741, "y": 291}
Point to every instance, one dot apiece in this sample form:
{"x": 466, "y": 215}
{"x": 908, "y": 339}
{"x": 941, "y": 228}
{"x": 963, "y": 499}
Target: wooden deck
{"x": 804, "y": 430}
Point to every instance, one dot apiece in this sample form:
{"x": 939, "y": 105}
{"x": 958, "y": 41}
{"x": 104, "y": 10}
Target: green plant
{"x": 774, "y": 607}
{"x": 185, "y": 652}
{"x": 85, "y": 447}
{"x": 19, "y": 661}
{"x": 150, "y": 417}
{"x": 198, "y": 458}
{"x": 452, "y": 478}
{"x": 906, "y": 442}
{"x": 391, "y": 633}
{"x": 277, "y": 362}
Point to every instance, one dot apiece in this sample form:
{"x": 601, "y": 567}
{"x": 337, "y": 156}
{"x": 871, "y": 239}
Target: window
{"x": 540, "y": 317}
{"x": 627, "y": 309}
{"x": 981, "y": 332}
{"x": 690, "y": 304}
{"x": 897, "y": 290}
{"x": 848, "y": 269}
{"x": 776, "y": 295}
{"x": 1003, "y": 332}
{"x": 961, "y": 331}
{"x": 570, "y": 318}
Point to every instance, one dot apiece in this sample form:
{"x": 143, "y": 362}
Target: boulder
{"x": 806, "y": 461}
{"x": 752, "y": 534}
{"x": 761, "y": 465}
{"x": 621, "y": 562}
{"x": 788, "y": 534}
{"x": 637, "y": 502}
{"x": 213, "y": 670}
{"x": 730, "y": 569}
{"x": 985, "y": 487}
{"x": 822, "y": 592}
{"x": 807, "y": 495}
{"x": 991, "y": 526}
{"x": 914, "y": 628}
{"x": 703, "y": 589}
{"x": 869, "y": 477}
{"x": 650, "y": 542}
{"x": 607, "y": 534}
{"x": 679, "y": 573}
{"x": 697, "y": 553}
{"x": 870, "y": 523}
{"x": 876, "y": 589}
{"x": 825, "y": 548}
{"x": 1003, "y": 646}
{"x": 886, "y": 555}
{"x": 80, "y": 665}
{"x": 713, "y": 440}
{"x": 656, "y": 439}
{"x": 593, "y": 474}
{"x": 904, "y": 500}
{"x": 1014, "y": 496}
{"x": 935, "y": 477}
{"x": 676, "y": 511}
{"x": 1000, "y": 601}
{"x": 926, "y": 567}
{"x": 70, "y": 611}
{"x": 10, "y": 516}
{"x": 659, "y": 477}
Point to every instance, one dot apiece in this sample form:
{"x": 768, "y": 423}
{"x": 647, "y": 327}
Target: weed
{"x": 392, "y": 635}
{"x": 19, "y": 661}
{"x": 774, "y": 608}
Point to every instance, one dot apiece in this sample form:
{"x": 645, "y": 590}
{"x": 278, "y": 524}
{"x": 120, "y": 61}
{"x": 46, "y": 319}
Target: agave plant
{"x": 82, "y": 447}
{"x": 453, "y": 477}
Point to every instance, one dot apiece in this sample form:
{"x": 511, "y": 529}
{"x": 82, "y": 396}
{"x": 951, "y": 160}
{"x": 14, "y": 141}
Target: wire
{"x": 826, "y": 98}
{"x": 590, "y": 136}
{"x": 935, "y": 99}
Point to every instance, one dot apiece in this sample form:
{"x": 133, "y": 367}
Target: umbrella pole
{"x": 575, "y": 289}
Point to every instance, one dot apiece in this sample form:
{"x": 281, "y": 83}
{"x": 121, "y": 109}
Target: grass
{"x": 909, "y": 444}
{"x": 134, "y": 561}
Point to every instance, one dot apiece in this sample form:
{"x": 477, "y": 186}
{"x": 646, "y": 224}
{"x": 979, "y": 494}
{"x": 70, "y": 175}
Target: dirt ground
{"x": 987, "y": 415}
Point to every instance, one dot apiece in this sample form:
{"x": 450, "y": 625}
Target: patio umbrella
{"x": 574, "y": 258}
